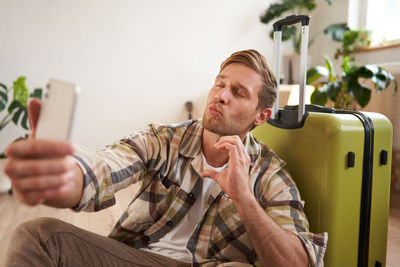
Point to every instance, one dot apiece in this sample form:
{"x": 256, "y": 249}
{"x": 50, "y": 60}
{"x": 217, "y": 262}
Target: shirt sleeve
{"x": 281, "y": 201}
{"x": 116, "y": 166}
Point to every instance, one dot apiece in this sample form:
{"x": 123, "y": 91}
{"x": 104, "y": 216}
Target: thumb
{"x": 209, "y": 173}
{"x": 33, "y": 112}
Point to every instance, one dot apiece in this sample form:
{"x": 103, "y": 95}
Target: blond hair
{"x": 254, "y": 60}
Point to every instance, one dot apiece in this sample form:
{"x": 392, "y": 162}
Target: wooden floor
{"x": 13, "y": 213}
{"x": 393, "y": 253}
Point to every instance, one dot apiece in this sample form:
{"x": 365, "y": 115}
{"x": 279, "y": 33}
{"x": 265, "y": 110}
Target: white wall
{"x": 321, "y": 17}
{"x": 137, "y": 61}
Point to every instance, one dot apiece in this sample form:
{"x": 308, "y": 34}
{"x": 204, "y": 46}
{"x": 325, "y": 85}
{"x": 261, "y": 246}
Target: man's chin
{"x": 216, "y": 129}
{"x": 215, "y": 126}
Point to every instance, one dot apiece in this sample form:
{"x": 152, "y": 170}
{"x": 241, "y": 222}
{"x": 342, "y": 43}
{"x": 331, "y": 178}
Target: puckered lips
{"x": 214, "y": 110}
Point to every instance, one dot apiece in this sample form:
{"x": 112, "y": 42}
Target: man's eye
{"x": 239, "y": 93}
{"x": 220, "y": 85}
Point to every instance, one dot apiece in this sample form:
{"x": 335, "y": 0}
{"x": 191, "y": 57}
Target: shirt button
{"x": 169, "y": 223}
{"x": 146, "y": 238}
{"x": 191, "y": 195}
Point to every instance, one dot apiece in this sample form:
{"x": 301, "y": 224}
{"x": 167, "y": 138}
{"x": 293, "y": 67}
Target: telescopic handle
{"x": 290, "y": 20}
{"x": 305, "y": 21}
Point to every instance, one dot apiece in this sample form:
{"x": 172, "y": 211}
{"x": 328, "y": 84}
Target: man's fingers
{"x": 42, "y": 182}
{"x": 38, "y": 148}
{"x": 50, "y": 194}
{"x": 32, "y": 167}
{"x": 233, "y": 150}
{"x": 209, "y": 173}
{"x": 39, "y": 196}
{"x": 34, "y": 112}
{"x": 230, "y": 138}
{"x": 233, "y": 140}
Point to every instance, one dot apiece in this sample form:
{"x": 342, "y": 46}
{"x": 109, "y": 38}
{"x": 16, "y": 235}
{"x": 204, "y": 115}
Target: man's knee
{"x": 26, "y": 246}
{"x": 39, "y": 229}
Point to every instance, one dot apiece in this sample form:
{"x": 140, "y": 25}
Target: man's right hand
{"x": 43, "y": 171}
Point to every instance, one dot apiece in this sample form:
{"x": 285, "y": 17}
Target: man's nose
{"x": 223, "y": 95}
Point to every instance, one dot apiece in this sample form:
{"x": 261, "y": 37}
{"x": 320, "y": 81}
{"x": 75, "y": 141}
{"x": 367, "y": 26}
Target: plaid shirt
{"x": 166, "y": 161}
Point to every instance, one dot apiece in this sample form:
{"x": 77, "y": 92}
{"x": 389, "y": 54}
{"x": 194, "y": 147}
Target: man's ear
{"x": 262, "y": 116}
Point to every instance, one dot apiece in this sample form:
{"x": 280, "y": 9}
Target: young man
{"x": 209, "y": 192}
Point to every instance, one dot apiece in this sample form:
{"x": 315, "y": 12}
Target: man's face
{"x": 232, "y": 101}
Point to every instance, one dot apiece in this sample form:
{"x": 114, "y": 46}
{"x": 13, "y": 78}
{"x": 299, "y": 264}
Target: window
{"x": 381, "y": 17}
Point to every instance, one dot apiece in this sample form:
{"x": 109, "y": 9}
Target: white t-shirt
{"x": 173, "y": 244}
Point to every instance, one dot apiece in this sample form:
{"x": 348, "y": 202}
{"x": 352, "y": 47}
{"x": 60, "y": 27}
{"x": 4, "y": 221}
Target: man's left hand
{"x": 234, "y": 180}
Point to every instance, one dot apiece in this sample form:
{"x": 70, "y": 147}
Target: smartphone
{"x": 57, "y": 110}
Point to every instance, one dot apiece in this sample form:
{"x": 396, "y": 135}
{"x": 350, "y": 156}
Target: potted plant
{"x": 293, "y": 33}
{"x": 13, "y": 109}
{"x": 352, "y": 40}
{"x": 353, "y": 87}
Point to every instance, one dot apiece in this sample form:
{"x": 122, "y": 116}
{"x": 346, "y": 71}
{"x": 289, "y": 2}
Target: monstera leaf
{"x": 16, "y": 111}
{"x": 3, "y": 96}
{"x": 352, "y": 89}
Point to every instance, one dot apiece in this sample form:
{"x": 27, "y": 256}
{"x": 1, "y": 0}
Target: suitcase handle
{"x": 290, "y": 20}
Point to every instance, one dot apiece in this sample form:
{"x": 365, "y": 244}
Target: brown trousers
{"x": 51, "y": 242}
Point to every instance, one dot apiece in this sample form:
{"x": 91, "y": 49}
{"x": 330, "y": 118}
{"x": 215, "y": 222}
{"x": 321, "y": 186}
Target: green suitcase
{"x": 344, "y": 181}
{"x": 341, "y": 163}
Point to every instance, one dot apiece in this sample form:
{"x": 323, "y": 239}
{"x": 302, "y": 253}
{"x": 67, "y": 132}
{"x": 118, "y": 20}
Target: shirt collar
{"x": 190, "y": 145}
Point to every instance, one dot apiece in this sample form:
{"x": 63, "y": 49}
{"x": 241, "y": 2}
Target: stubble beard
{"x": 223, "y": 126}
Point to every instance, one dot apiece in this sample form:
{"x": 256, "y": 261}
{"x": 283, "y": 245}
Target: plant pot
{"x": 5, "y": 184}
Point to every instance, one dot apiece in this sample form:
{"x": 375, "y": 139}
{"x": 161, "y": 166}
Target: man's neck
{"x": 214, "y": 157}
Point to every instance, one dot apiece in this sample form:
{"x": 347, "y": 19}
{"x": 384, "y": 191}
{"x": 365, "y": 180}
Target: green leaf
{"x": 21, "y": 92}
{"x": 276, "y": 10}
{"x": 365, "y": 72}
{"x": 14, "y": 104}
{"x": 337, "y": 31}
{"x": 4, "y": 87}
{"x": 333, "y": 90}
{"x": 315, "y": 73}
{"x": 351, "y": 81}
{"x": 362, "y": 95}
{"x": 319, "y": 96}
{"x": 373, "y": 68}
{"x": 37, "y": 93}
{"x": 2, "y": 106}
{"x": 384, "y": 75}
{"x": 3, "y": 100}
{"x": 345, "y": 65}
{"x": 3, "y": 96}
{"x": 380, "y": 82}
{"x": 16, "y": 115}
{"x": 331, "y": 69}
{"x": 24, "y": 122}
{"x": 16, "y": 109}
{"x": 308, "y": 4}
{"x": 288, "y": 32}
